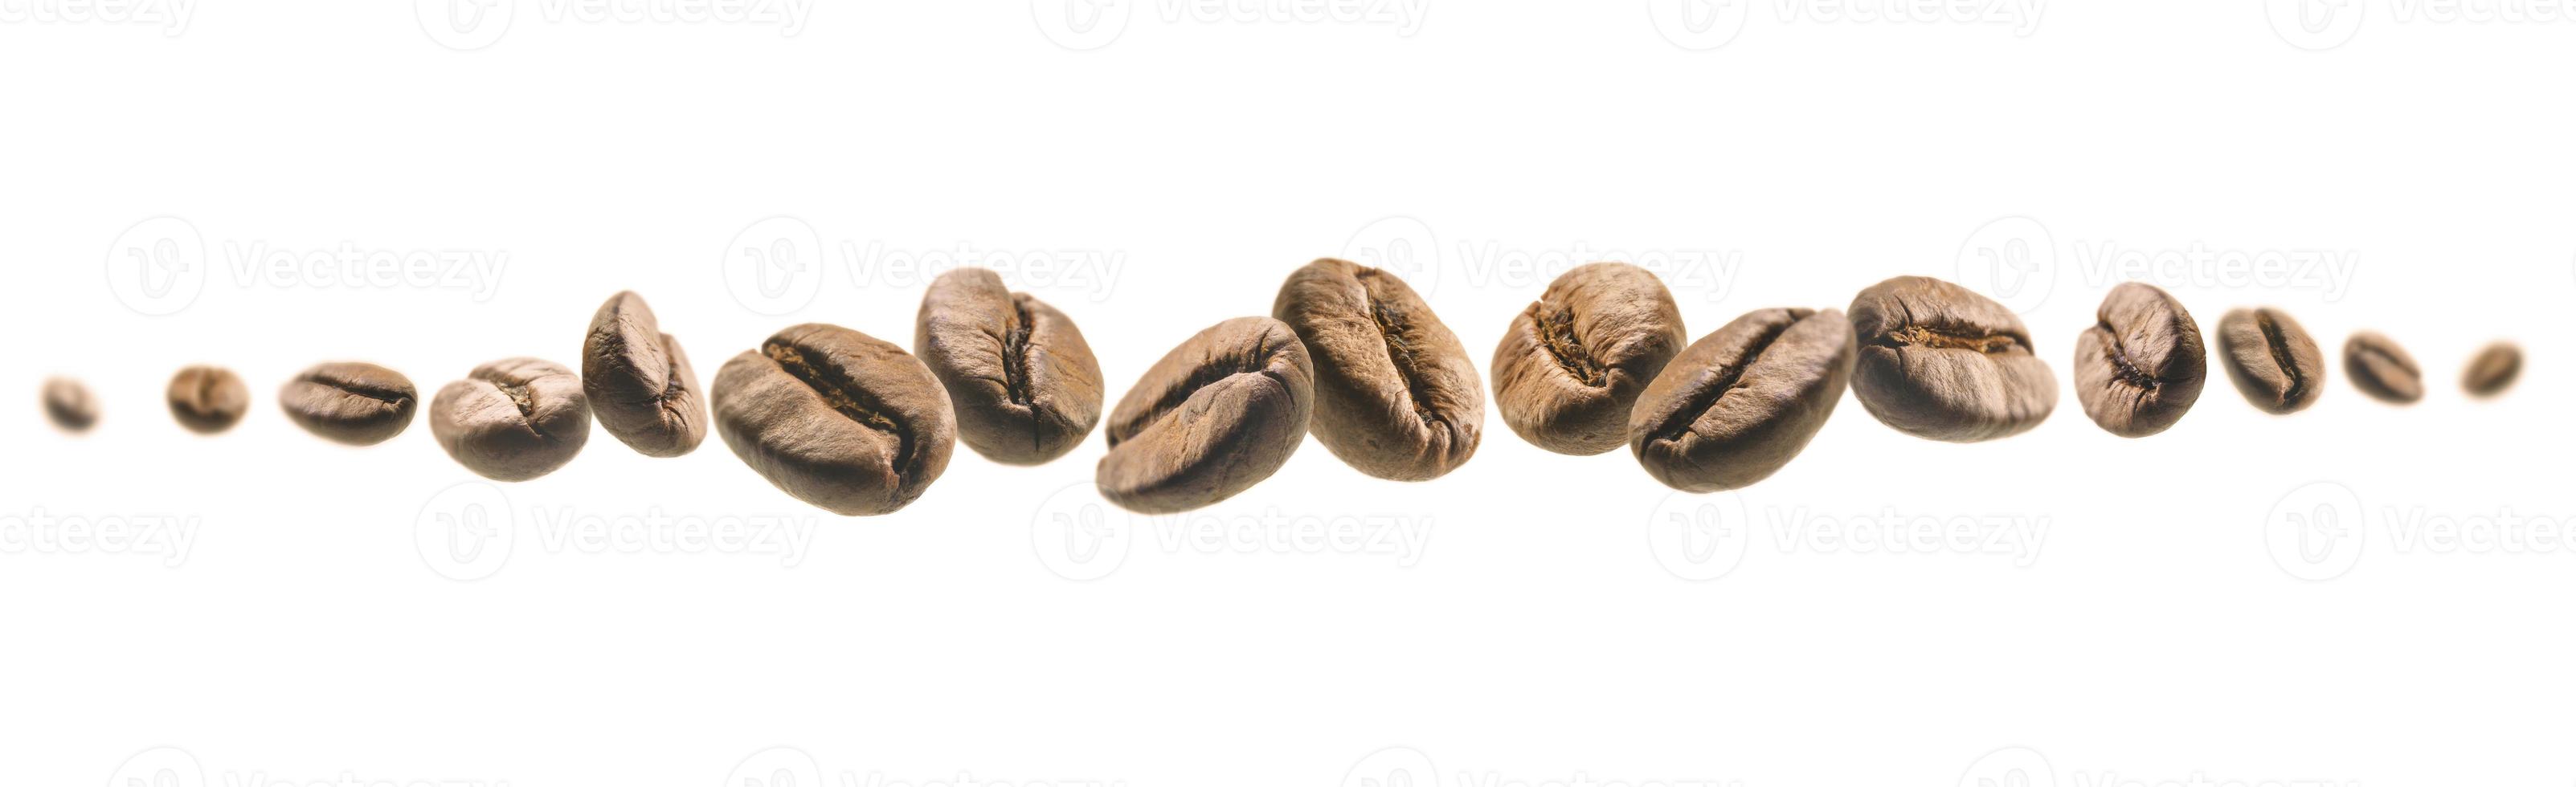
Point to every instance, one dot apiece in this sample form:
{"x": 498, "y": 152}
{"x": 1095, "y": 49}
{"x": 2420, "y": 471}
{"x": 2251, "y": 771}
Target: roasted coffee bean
{"x": 639, "y": 383}
{"x": 208, "y": 399}
{"x": 2141, "y": 365}
{"x": 1572, "y": 364}
{"x": 1741, "y": 402}
{"x": 2494, "y": 370}
{"x": 1943, "y": 363}
{"x": 2271, "y": 359}
{"x": 350, "y": 403}
{"x": 2382, "y": 369}
{"x": 69, "y": 404}
{"x": 1218, "y": 414}
{"x": 1024, "y": 383}
{"x": 512, "y": 420}
{"x": 836, "y": 418}
{"x": 1395, "y": 394}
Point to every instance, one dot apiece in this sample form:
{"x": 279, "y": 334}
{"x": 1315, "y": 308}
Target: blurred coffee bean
{"x": 2271, "y": 359}
{"x": 208, "y": 399}
{"x": 2382, "y": 369}
{"x": 350, "y": 403}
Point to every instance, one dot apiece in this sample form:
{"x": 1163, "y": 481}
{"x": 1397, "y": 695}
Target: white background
{"x": 1566, "y": 617}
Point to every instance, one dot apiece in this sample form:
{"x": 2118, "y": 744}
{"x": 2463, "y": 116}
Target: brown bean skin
{"x": 70, "y": 405}
{"x": 1025, "y": 384}
{"x": 1215, "y": 416}
{"x": 1738, "y": 404}
{"x": 2493, "y": 370}
{"x": 1571, "y": 365}
{"x": 512, "y": 420}
{"x": 1940, "y": 362}
{"x": 1395, "y": 394}
{"x": 208, "y": 399}
{"x": 350, "y": 403}
{"x": 836, "y": 418}
{"x": 2382, "y": 369}
{"x": 2141, "y": 366}
{"x": 640, "y": 384}
{"x": 2271, "y": 359}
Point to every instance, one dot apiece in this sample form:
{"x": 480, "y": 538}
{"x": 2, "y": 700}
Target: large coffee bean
{"x": 1572, "y": 364}
{"x": 2271, "y": 359}
{"x": 1024, "y": 383}
{"x": 512, "y": 420}
{"x": 1943, "y": 363}
{"x": 2494, "y": 370}
{"x": 2141, "y": 365}
{"x": 208, "y": 399}
{"x": 1741, "y": 402}
{"x": 350, "y": 403}
{"x": 639, "y": 382}
{"x": 70, "y": 405}
{"x": 2382, "y": 369}
{"x": 1218, "y": 414}
{"x": 836, "y": 418}
{"x": 1395, "y": 395}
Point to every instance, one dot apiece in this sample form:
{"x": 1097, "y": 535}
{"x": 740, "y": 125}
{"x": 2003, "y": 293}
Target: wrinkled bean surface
{"x": 1738, "y": 404}
{"x": 1395, "y": 393}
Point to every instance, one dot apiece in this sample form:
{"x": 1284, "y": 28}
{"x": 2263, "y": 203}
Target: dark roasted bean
{"x": 512, "y": 420}
{"x": 2141, "y": 365}
{"x": 1216, "y": 415}
{"x": 1395, "y": 394}
{"x": 2271, "y": 359}
{"x": 1571, "y": 365}
{"x": 1940, "y": 362}
{"x": 350, "y": 403}
{"x": 1024, "y": 383}
{"x": 836, "y": 418}
{"x": 639, "y": 382}
{"x": 1741, "y": 402}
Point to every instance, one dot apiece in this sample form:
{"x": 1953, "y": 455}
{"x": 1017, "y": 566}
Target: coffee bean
{"x": 512, "y": 420}
{"x": 2271, "y": 359}
{"x": 1395, "y": 394}
{"x": 2141, "y": 365}
{"x": 2494, "y": 370}
{"x": 1024, "y": 383}
{"x": 1741, "y": 402}
{"x": 639, "y": 382}
{"x": 1943, "y": 363}
{"x": 350, "y": 403}
{"x": 1218, "y": 414}
{"x": 69, "y": 404}
{"x": 1572, "y": 364}
{"x": 836, "y": 418}
{"x": 208, "y": 399}
{"x": 2382, "y": 369}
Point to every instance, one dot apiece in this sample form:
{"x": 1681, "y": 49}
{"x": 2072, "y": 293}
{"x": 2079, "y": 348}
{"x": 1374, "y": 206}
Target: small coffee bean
{"x": 1741, "y": 402}
{"x": 2271, "y": 359}
{"x": 2141, "y": 365}
{"x": 2494, "y": 370}
{"x": 69, "y": 404}
{"x": 1572, "y": 364}
{"x": 836, "y": 418}
{"x": 2382, "y": 369}
{"x": 1218, "y": 414}
{"x": 1395, "y": 394}
{"x": 1943, "y": 363}
{"x": 1024, "y": 383}
{"x": 639, "y": 382}
{"x": 512, "y": 420}
{"x": 350, "y": 403}
{"x": 208, "y": 399}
